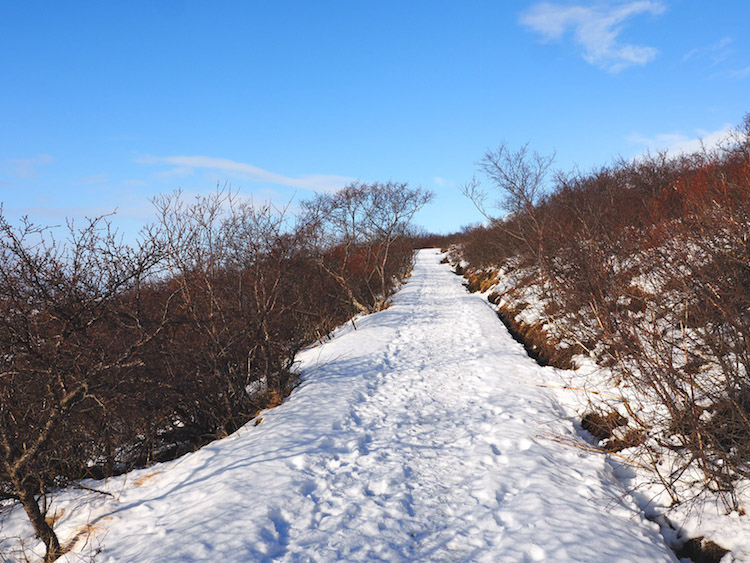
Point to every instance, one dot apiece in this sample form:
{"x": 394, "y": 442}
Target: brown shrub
{"x": 536, "y": 341}
{"x": 647, "y": 262}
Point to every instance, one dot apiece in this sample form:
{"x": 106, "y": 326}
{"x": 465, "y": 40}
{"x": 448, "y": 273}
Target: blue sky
{"x": 104, "y": 105}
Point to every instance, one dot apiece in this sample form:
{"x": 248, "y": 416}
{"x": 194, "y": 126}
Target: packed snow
{"x": 422, "y": 434}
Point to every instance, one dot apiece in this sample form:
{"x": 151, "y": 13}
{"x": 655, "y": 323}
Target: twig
{"x": 595, "y": 449}
{"x": 85, "y": 488}
{"x": 569, "y": 388}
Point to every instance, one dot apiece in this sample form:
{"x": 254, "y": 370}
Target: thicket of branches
{"x": 114, "y": 356}
{"x": 647, "y": 265}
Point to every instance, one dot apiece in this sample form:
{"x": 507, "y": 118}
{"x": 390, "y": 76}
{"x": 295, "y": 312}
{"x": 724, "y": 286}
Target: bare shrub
{"x": 645, "y": 265}
{"x": 70, "y": 336}
{"x": 362, "y": 238}
{"x": 519, "y": 178}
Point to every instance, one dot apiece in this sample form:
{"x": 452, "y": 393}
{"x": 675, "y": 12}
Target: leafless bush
{"x": 647, "y": 264}
{"x": 519, "y": 180}
{"x": 69, "y": 334}
{"x": 244, "y": 303}
{"x": 362, "y": 238}
{"x": 114, "y": 357}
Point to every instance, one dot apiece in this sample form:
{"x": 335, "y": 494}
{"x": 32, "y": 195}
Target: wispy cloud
{"x": 679, "y": 143}
{"x": 26, "y": 167}
{"x": 442, "y": 182}
{"x": 176, "y": 172}
{"x": 184, "y": 165}
{"x": 716, "y": 53}
{"x": 596, "y": 28}
{"x": 740, "y": 73}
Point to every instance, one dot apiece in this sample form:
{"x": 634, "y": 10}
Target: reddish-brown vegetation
{"x": 113, "y": 357}
{"x": 646, "y": 264}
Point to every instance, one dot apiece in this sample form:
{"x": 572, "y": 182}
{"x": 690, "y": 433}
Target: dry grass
{"x": 145, "y": 479}
{"x": 481, "y": 280}
{"x": 83, "y": 534}
{"x": 55, "y": 517}
{"x": 537, "y": 342}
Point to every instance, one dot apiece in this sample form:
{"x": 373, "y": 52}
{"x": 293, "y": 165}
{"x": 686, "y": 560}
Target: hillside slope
{"x": 421, "y": 435}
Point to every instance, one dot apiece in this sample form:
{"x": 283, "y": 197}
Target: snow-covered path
{"x": 419, "y": 436}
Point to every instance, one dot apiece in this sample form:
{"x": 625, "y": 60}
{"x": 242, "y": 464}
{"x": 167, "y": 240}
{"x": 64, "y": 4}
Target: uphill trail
{"x": 421, "y": 435}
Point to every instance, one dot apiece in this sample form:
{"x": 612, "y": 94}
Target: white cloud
{"x": 596, "y": 29}
{"x": 442, "y": 182}
{"x": 740, "y": 73}
{"x": 678, "y": 143}
{"x": 717, "y": 53}
{"x": 27, "y": 167}
{"x": 187, "y": 164}
{"x": 176, "y": 172}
